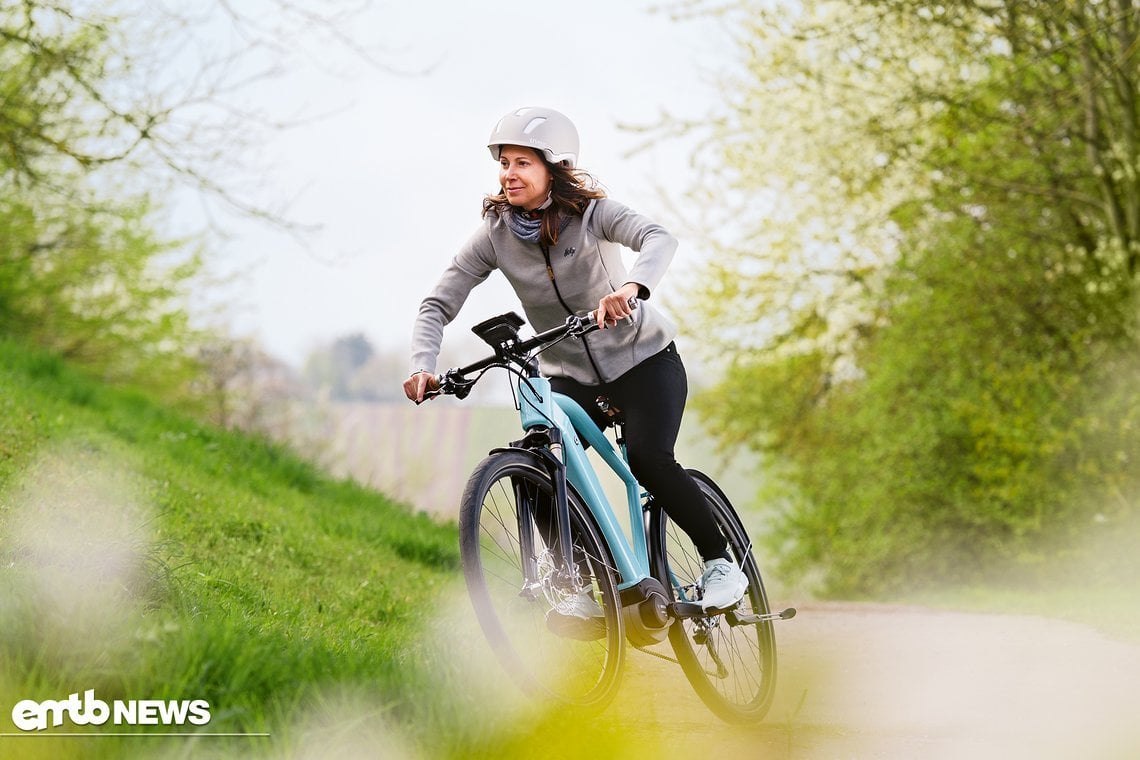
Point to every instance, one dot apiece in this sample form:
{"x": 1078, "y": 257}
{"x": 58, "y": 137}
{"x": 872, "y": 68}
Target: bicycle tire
{"x": 543, "y": 664}
{"x": 732, "y": 668}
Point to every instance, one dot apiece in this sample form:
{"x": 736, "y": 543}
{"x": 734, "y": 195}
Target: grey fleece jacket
{"x": 585, "y": 265}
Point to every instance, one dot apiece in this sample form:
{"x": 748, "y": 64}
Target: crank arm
{"x": 687, "y": 610}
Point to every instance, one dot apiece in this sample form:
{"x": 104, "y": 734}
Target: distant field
{"x": 422, "y": 455}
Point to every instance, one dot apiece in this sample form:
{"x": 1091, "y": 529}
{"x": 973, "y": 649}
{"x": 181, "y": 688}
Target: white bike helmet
{"x": 543, "y": 129}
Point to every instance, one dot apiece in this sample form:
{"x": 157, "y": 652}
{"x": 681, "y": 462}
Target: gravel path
{"x": 877, "y": 681}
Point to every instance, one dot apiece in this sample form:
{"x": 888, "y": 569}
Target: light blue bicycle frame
{"x": 539, "y": 406}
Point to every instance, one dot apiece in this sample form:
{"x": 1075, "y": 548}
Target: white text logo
{"x": 30, "y": 715}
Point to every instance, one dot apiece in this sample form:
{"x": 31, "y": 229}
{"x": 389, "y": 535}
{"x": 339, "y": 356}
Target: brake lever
{"x": 440, "y": 380}
{"x": 632, "y": 303}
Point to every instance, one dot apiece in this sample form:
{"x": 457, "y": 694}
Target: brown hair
{"x": 570, "y": 192}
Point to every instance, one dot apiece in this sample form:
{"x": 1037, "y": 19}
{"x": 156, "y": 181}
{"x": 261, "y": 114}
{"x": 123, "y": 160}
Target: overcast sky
{"x": 396, "y": 176}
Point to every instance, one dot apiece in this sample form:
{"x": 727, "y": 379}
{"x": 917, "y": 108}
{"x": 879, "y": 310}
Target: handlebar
{"x": 454, "y": 382}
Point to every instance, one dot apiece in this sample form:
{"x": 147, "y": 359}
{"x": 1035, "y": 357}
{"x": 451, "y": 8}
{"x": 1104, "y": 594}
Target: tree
{"x": 927, "y": 275}
{"x": 103, "y": 109}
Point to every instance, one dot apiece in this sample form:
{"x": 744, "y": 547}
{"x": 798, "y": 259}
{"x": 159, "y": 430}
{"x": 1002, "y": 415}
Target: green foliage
{"x": 82, "y": 271}
{"x": 97, "y": 286}
{"x": 951, "y": 404}
{"x": 52, "y": 64}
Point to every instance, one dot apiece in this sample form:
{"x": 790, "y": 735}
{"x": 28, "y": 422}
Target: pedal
{"x": 735, "y": 618}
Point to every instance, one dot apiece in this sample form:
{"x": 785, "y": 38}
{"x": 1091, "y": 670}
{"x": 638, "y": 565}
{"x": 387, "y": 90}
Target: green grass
{"x": 147, "y": 556}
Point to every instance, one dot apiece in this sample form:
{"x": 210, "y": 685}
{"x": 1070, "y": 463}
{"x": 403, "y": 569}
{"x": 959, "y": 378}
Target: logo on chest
{"x": 569, "y": 252}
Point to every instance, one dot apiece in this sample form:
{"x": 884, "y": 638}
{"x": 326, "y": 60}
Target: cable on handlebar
{"x": 455, "y": 382}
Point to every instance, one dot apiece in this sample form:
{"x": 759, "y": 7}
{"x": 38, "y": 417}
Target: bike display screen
{"x": 500, "y": 330}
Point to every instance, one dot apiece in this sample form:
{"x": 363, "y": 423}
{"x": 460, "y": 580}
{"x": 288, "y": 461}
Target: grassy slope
{"x": 236, "y": 573}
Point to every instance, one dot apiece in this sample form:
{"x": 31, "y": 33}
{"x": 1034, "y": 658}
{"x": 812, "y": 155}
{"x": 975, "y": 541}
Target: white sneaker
{"x": 723, "y": 584}
{"x": 577, "y": 617}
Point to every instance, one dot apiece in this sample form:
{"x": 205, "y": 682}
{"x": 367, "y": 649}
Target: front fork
{"x": 566, "y": 572}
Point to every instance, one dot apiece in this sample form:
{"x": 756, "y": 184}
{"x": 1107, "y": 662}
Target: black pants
{"x": 652, "y": 396}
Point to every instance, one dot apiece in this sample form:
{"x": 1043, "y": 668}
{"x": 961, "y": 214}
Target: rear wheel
{"x": 543, "y": 628}
{"x": 729, "y": 658}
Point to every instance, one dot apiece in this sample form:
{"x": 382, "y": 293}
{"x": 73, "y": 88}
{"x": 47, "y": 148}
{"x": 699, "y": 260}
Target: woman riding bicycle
{"x": 555, "y": 236}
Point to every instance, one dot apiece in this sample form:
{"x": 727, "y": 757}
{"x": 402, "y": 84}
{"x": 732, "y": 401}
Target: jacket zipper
{"x": 569, "y": 311}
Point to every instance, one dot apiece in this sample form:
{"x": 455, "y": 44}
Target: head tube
{"x": 536, "y": 402}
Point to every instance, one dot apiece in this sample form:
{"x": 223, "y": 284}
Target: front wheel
{"x": 555, "y": 626}
{"x": 729, "y": 658}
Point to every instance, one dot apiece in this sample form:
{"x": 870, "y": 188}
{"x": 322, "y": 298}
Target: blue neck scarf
{"x": 525, "y": 224}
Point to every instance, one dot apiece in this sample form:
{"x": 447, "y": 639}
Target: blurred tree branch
{"x": 106, "y": 107}
{"x": 154, "y": 91}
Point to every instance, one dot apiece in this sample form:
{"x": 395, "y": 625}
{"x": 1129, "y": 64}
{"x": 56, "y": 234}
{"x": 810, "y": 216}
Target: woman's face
{"x": 524, "y": 176}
